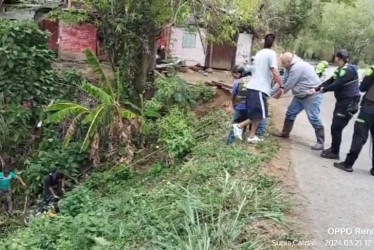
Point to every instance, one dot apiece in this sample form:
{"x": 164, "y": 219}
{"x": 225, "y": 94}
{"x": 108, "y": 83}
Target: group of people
{"x": 250, "y": 97}
{"x": 54, "y": 186}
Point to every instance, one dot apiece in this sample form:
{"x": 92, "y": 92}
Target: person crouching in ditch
{"x": 238, "y": 103}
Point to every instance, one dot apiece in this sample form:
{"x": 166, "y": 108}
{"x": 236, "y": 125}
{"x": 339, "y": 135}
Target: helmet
{"x": 324, "y": 63}
{"x": 342, "y": 54}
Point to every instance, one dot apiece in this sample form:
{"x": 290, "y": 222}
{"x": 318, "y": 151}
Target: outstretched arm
{"x": 19, "y": 179}
{"x": 348, "y": 77}
{"x": 63, "y": 183}
{"x": 277, "y": 77}
{"x": 53, "y": 192}
{"x": 325, "y": 84}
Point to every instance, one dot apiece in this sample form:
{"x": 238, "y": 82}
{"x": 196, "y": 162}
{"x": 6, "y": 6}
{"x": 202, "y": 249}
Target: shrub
{"x": 176, "y": 132}
{"x": 26, "y": 65}
{"x": 203, "y": 92}
{"x": 174, "y": 91}
{"x": 54, "y": 157}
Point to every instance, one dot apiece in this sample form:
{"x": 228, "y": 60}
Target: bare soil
{"x": 220, "y": 101}
{"x": 193, "y": 77}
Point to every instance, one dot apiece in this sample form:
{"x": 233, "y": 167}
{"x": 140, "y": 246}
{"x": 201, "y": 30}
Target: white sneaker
{"x": 238, "y": 132}
{"x": 254, "y": 139}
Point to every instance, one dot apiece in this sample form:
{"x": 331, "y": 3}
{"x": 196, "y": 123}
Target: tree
{"x": 109, "y": 123}
{"x": 130, "y": 29}
{"x": 354, "y": 35}
{"x": 289, "y": 18}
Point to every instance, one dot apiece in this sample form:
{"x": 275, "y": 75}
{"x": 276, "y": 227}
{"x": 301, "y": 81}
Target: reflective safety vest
{"x": 321, "y": 67}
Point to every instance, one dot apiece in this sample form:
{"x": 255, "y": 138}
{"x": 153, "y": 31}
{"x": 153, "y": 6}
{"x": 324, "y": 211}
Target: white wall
{"x": 191, "y": 56}
{"x": 244, "y": 48}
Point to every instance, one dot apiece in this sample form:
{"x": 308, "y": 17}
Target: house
{"x": 70, "y": 40}
{"x": 27, "y": 10}
{"x": 189, "y": 46}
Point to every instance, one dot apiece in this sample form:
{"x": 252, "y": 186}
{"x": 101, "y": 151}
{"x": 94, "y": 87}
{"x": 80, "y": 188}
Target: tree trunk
{"x": 147, "y": 64}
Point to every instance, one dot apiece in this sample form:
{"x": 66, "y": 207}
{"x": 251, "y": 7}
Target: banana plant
{"x": 109, "y": 113}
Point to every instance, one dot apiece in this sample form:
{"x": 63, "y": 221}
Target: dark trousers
{"x": 340, "y": 120}
{"x": 364, "y": 124}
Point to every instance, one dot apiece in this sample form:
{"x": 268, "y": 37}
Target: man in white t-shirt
{"x": 259, "y": 89}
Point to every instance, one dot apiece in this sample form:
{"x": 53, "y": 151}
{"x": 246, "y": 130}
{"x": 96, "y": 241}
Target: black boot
{"x": 330, "y": 154}
{"x": 287, "y": 127}
{"x": 320, "y": 134}
{"x": 372, "y": 171}
{"x": 343, "y": 166}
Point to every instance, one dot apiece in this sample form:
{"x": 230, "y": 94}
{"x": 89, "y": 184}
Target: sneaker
{"x": 238, "y": 132}
{"x": 343, "y": 166}
{"x": 254, "y": 140}
{"x": 372, "y": 171}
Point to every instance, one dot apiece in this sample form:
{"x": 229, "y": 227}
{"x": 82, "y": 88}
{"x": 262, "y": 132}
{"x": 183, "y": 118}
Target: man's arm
{"x": 278, "y": 80}
{"x": 275, "y": 89}
{"x": 235, "y": 91}
{"x": 292, "y": 79}
{"x": 63, "y": 184}
{"x": 19, "y": 179}
{"x": 52, "y": 192}
{"x": 277, "y": 77}
{"x": 49, "y": 187}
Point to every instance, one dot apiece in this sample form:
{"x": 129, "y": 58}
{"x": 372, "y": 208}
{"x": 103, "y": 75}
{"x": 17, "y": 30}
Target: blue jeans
{"x": 312, "y": 106}
{"x": 240, "y": 116}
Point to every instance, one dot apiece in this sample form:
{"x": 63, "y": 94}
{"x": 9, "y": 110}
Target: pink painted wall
{"x": 75, "y": 39}
{"x": 191, "y": 56}
{"x": 52, "y": 27}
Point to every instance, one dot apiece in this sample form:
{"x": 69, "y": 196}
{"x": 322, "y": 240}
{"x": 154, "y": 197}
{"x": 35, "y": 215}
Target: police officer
{"x": 321, "y": 68}
{"x": 364, "y": 124}
{"x": 344, "y": 83}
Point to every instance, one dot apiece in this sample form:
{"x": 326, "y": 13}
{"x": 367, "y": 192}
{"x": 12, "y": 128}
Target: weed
{"x": 176, "y": 132}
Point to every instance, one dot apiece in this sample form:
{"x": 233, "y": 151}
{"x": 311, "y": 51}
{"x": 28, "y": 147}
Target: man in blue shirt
{"x": 238, "y": 103}
{"x": 6, "y": 178}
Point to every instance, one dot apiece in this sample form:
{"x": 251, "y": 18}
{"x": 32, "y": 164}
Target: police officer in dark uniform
{"x": 364, "y": 124}
{"x": 344, "y": 83}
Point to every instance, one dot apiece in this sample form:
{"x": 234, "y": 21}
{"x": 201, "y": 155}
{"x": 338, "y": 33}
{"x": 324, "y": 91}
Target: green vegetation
{"x": 130, "y": 29}
{"x": 26, "y": 65}
{"x": 72, "y": 16}
{"x": 214, "y": 200}
{"x": 107, "y": 119}
{"x": 144, "y": 171}
{"x": 316, "y": 29}
{"x": 27, "y": 81}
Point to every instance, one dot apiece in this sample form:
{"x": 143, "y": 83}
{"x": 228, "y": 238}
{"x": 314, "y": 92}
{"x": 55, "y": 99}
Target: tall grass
{"x": 211, "y": 201}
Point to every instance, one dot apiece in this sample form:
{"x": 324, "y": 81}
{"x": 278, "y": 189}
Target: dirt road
{"x": 335, "y": 201}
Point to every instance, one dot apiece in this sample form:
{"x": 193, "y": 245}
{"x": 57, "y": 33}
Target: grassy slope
{"x": 214, "y": 200}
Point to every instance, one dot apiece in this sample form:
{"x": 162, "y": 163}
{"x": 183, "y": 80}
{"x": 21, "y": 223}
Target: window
{"x": 189, "y": 40}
